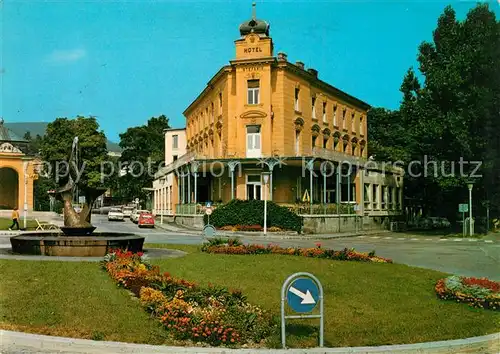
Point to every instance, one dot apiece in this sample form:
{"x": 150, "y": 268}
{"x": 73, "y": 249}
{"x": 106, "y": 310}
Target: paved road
{"x": 459, "y": 256}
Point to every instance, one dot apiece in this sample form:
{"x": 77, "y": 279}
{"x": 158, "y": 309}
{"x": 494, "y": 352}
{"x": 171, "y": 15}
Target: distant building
{"x": 16, "y": 171}
{"x": 262, "y": 113}
{"x": 163, "y": 185}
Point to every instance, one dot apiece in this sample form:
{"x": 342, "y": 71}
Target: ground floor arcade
{"x": 311, "y": 186}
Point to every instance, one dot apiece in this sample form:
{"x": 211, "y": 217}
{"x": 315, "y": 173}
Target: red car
{"x": 146, "y": 220}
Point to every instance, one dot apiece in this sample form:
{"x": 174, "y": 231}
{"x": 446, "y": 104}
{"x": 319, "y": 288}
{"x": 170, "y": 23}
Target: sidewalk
{"x": 17, "y": 342}
{"x": 171, "y": 227}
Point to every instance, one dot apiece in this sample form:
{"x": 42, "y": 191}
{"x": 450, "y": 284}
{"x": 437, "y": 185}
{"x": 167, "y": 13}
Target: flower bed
{"x": 233, "y": 246}
{"x": 477, "y": 292}
{"x": 212, "y": 314}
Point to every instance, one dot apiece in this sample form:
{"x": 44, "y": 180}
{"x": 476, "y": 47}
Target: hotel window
{"x": 335, "y": 143}
{"x": 335, "y": 122}
{"x": 324, "y": 111}
{"x": 346, "y": 144}
{"x": 313, "y": 113}
{"x": 175, "y": 142}
{"x": 343, "y": 119}
{"x": 361, "y": 150}
{"x": 313, "y": 142}
{"x": 353, "y": 119}
{"x": 253, "y": 91}
{"x": 213, "y": 112}
{"x": 220, "y": 102}
{"x": 361, "y": 128}
{"x": 297, "y": 142}
{"x": 375, "y": 196}
{"x": 367, "y": 198}
{"x": 174, "y": 158}
{"x": 389, "y": 198}
{"x": 384, "y": 197}
{"x": 297, "y": 107}
{"x": 325, "y": 143}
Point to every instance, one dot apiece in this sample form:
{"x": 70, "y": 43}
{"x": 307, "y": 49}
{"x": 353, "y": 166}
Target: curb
{"x": 19, "y": 341}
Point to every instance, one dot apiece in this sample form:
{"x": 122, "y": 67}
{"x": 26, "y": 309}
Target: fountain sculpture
{"x": 77, "y": 237}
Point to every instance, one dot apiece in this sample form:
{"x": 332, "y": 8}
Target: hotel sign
{"x": 252, "y": 50}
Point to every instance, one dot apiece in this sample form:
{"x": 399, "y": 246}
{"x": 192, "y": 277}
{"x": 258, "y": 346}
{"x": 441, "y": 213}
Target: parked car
{"x": 136, "y": 213}
{"x": 146, "y": 220}
{"x": 433, "y": 222}
{"x": 127, "y": 211}
{"x": 115, "y": 214}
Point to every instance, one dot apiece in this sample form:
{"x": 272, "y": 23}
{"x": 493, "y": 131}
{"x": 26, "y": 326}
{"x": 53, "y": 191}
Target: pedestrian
{"x": 15, "y": 219}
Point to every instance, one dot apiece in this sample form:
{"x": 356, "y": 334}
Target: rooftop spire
{"x": 254, "y": 11}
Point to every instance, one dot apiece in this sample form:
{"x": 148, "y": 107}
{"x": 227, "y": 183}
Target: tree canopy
{"x": 451, "y": 114}
{"x": 143, "y": 153}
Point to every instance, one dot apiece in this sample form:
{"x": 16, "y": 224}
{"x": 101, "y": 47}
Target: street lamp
{"x": 470, "y": 184}
{"x": 265, "y": 178}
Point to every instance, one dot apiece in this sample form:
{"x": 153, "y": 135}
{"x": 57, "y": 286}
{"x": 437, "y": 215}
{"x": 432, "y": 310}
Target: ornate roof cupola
{"x": 254, "y": 25}
{"x": 254, "y": 41}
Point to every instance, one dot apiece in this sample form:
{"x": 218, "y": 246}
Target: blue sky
{"x": 125, "y": 61}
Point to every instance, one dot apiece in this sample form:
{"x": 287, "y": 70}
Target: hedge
{"x": 251, "y": 212}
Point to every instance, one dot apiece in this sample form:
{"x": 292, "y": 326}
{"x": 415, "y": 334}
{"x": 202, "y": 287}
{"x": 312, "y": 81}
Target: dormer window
{"x": 253, "y": 91}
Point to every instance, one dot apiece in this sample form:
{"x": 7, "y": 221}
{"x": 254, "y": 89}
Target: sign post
{"x": 208, "y": 230}
{"x": 463, "y": 208}
{"x": 302, "y": 292}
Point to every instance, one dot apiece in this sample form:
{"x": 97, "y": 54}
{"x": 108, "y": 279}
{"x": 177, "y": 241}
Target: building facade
{"x": 163, "y": 185}
{"x": 264, "y": 115}
{"x": 16, "y": 172}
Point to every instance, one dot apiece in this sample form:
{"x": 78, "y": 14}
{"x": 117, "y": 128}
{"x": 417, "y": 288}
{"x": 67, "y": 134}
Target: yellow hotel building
{"x": 263, "y": 114}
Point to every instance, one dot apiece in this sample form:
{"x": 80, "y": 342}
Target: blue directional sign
{"x": 302, "y": 295}
{"x": 208, "y": 205}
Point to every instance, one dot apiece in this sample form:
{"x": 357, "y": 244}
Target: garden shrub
{"x": 249, "y": 213}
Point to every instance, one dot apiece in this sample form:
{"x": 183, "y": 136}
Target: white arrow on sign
{"x": 307, "y": 298}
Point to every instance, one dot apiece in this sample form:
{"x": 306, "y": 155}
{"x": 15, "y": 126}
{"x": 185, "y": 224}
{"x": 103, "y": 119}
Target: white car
{"x": 115, "y": 214}
{"x": 127, "y": 211}
{"x": 135, "y": 215}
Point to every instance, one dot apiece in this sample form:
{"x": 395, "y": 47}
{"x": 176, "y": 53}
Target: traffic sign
{"x": 209, "y": 230}
{"x": 209, "y": 204}
{"x": 303, "y": 295}
{"x": 302, "y": 292}
{"x": 208, "y": 211}
{"x": 136, "y": 200}
{"x": 463, "y": 208}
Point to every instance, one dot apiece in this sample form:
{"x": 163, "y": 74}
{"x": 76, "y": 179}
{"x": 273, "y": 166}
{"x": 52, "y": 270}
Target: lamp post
{"x": 470, "y": 184}
{"x": 265, "y": 178}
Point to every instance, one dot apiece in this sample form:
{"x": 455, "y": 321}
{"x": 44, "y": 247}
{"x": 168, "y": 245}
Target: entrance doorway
{"x": 9, "y": 188}
{"x": 254, "y": 187}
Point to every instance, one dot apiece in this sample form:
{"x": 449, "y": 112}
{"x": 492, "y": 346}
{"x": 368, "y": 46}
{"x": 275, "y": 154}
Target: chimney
{"x": 313, "y": 72}
{"x": 300, "y": 64}
{"x": 282, "y": 56}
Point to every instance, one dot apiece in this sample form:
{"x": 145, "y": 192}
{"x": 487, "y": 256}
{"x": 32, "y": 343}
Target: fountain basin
{"x": 57, "y": 244}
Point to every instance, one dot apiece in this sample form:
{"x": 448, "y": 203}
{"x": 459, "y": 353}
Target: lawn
{"x": 6, "y": 222}
{"x": 365, "y": 303}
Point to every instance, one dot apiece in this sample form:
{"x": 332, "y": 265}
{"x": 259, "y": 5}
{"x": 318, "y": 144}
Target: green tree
{"x": 143, "y": 153}
{"x": 453, "y": 113}
{"x": 92, "y": 153}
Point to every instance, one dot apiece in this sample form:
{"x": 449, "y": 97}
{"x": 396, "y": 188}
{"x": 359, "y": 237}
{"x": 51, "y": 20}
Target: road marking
{"x": 387, "y": 238}
{"x": 375, "y": 237}
{"x": 488, "y": 241}
{"x": 428, "y": 239}
{"x": 401, "y": 238}
{"x": 472, "y": 239}
{"x": 443, "y": 239}
{"x": 414, "y": 239}
{"x": 361, "y": 236}
{"x": 457, "y": 239}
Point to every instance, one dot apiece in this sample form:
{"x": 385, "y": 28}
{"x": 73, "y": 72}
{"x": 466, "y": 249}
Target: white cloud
{"x": 66, "y": 56}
